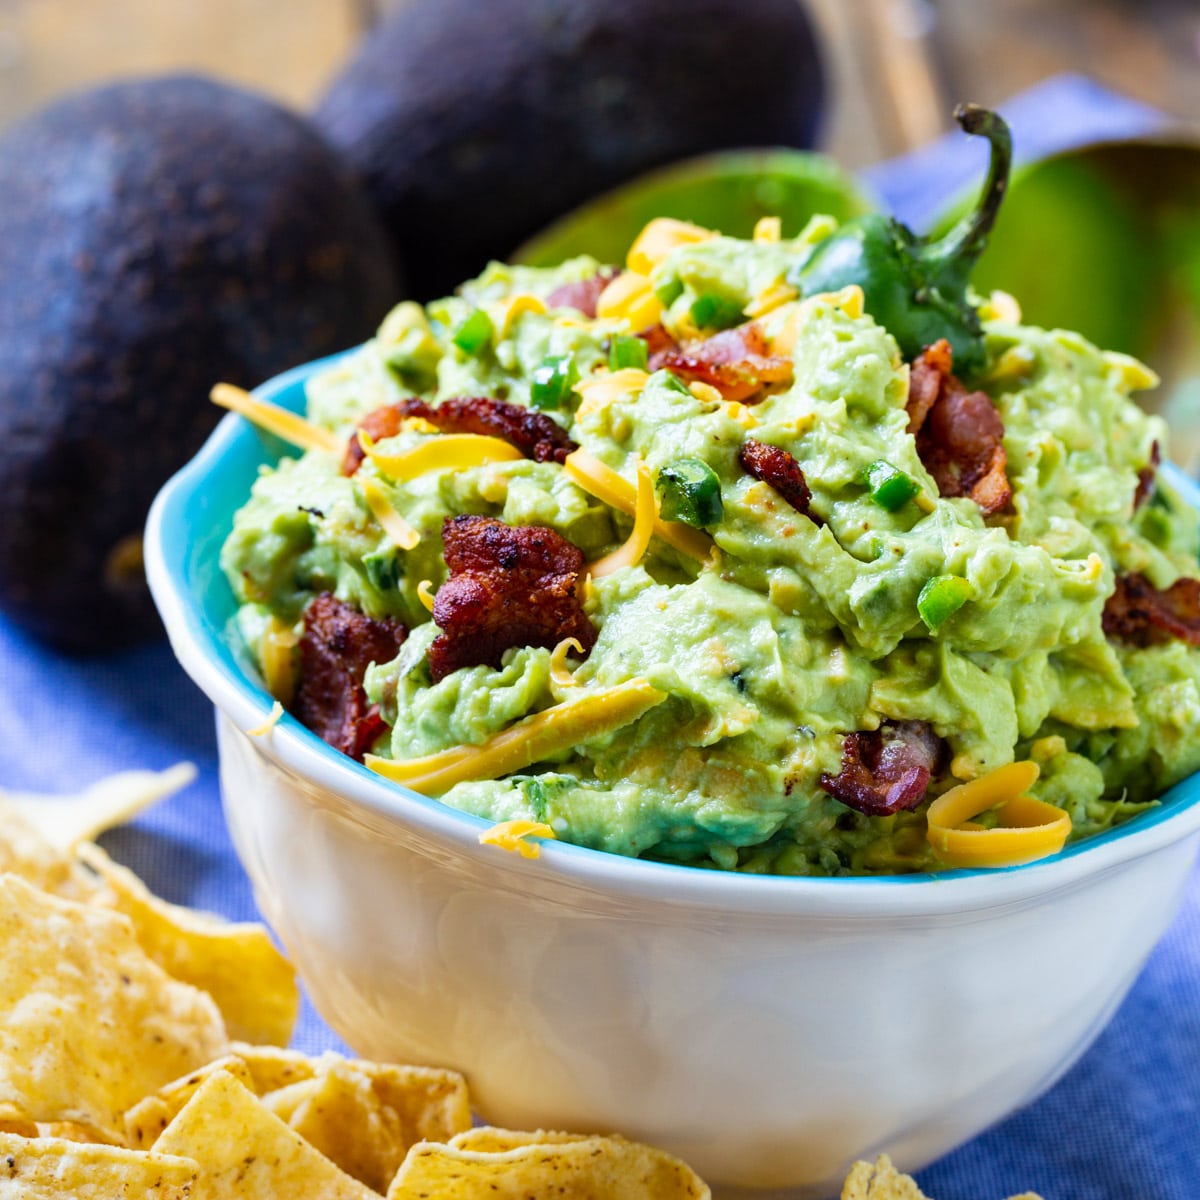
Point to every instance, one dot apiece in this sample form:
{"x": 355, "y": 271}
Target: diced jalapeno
{"x": 890, "y": 487}
{"x": 474, "y": 333}
{"x": 552, "y": 381}
{"x": 689, "y": 491}
{"x": 941, "y": 597}
{"x": 676, "y": 384}
{"x": 627, "y": 351}
{"x": 710, "y": 311}
{"x": 669, "y": 291}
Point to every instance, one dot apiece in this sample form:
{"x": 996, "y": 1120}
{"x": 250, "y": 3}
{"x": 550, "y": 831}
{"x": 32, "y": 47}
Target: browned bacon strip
{"x": 535, "y": 434}
{"x": 508, "y": 586}
{"x": 775, "y": 466}
{"x": 338, "y": 645}
{"x": 1138, "y": 612}
{"x": 1147, "y": 478}
{"x": 960, "y": 437}
{"x": 584, "y": 293}
{"x": 888, "y": 769}
{"x": 736, "y": 362}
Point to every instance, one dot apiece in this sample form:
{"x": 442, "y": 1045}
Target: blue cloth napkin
{"x": 1124, "y": 1123}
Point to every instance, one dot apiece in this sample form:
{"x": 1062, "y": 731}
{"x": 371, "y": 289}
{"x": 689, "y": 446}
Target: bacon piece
{"x": 509, "y": 585}
{"x": 960, "y": 436}
{"x": 1139, "y": 613}
{"x": 658, "y": 341}
{"x": 775, "y": 466}
{"x": 535, "y": 434}
{"x": 1147, "y": 478}
{"x": 338, "y": 645}
{"x": 736, "y": 362}
{"x": 583, "y": 294}
{"x": 888, "y": 769}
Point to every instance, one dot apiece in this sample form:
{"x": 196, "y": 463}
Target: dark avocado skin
{"x": 474, "y": 125}
{"x": 156, "y": 237}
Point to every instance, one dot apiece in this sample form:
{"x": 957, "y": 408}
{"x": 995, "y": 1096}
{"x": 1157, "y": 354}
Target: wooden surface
{"x": 896, "y": 67}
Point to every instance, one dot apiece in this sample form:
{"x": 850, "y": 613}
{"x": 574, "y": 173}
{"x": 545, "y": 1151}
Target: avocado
{"x": 474, "y": 125}
{"x": 156, "y": 236}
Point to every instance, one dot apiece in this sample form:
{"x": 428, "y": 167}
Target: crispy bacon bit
{"x": 658, "y": 341}
{"x": 736, "y": 362}
{"x": 1139, "y": 613}
{"x": 775, "y": 466}
{"x": 338, "y": 645}
{"x": 509, "y": 586}
{"x": 960, "y": 437}
{"x": 1147, "y": 478}
{"x": 583, "y": 294}
{"x": 888, "y": 769}
{"x": 535, "y": 434}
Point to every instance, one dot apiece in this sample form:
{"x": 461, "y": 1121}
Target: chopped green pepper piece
{"x": 916, "y": 288}
{"x": 627, "y": 351}
{"x": 474, "y": 333}
{"x": 890, "y": 487}
{"x": 710, "y": 311}
{"x": 669, "y": 291}
{"x": 941, "y": 597}
{"x": 552, "y": 381}
{"x": 676, "y": 384}
{"x": 689, "y": 491}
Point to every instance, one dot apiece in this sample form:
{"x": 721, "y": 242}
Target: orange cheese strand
{"x": 276, "y": 420}
{"x": 600, "y": 480}
{"x": 1027, "y": 829}
{"x": 511, "y": 835}
{"x": 448, "y": 451}
{"x": 393, "y": 524}
{"x": 644, "y": 516}
{"x": 528, "y": 741}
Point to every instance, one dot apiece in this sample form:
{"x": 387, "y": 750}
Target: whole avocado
{"x": 474, "y": 125}
{"x": 156, "y": 236}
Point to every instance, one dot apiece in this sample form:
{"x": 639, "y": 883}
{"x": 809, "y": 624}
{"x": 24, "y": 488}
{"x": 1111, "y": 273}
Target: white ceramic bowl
{"x": 769, "y": 1031}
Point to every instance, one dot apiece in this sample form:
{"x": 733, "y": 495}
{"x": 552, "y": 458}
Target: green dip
{"x": 795, "y": 633}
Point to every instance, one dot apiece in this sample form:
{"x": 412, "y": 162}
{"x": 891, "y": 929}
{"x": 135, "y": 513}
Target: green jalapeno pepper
{"x": 917, "y": 288}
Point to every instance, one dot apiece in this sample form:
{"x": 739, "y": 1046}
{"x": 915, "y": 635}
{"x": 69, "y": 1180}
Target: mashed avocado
{"x": 798, "y": 629}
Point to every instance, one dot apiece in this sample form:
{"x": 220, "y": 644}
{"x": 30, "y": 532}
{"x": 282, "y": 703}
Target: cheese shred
{"x": 645, "y": 514}
{"x": 273, "y": 419}
{"x": 265, "y": 727}
{"x": 394, "y": 525}
{"x": 1027, "y": 828}
{"x": 446, "y": 452}
{"x": 511, "y": 835}
{"x": 528, "y": 741}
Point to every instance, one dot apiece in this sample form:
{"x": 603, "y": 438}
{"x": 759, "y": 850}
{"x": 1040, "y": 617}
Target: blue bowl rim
{"x": 200, "y": 644}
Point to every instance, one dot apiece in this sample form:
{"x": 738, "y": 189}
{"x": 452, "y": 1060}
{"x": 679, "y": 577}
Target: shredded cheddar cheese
{"x": 394, "y": 525}
{"x": 560, "y": 676}
{"x": 600, "y": 480}
{"x": 508, "y": 311}
{"x": 449, "y": 452}
{"x": 601, "y": 390}
{"x": 771, "y": 298}
{"x": 1026, "y": 829}
{"x": 527, "y": 742}
{"x": 279, "y": 421}
{"x": 630, "y": 297}
{"x": 705, "y": 392}
{"x": 511, "y": 835}
{"x": 645, "y": 514}
{"x": 425, "y": 593}
{"x": 659, "y": 238}
{"x": 265, "y": 727}
{"x": 278, "y": 658}
{"x": 768, "y": 229}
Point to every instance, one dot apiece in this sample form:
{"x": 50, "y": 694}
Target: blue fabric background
{"x": 1123, "y": 1124}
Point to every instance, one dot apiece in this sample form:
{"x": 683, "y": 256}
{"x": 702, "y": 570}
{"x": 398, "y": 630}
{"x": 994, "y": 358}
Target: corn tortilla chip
{"x": 64, "y": 821}
{"x": 880, "y": 1181}
{"x": 51, "y": 1168}
{"x": 247, "y": 1153}
{"x": 88, "y": 1023}
{"x": 365, "y": 1116}
{"x": 237, "y": 964}
{"x": 149, "y": 1117}
{"x": 575, "y": 1168}
{"x": 272, "y": 1067}
{"x": 24, "y": 851}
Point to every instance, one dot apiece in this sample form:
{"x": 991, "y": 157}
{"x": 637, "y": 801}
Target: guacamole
{"x": 874, "y": 606}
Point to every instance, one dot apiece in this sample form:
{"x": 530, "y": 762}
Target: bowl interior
{"x": 188, "y": 524}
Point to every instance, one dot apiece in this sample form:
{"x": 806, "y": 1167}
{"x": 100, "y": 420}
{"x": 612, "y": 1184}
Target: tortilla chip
{"x": 271, "y": 1067}
{"x": 562, "y": 1165}
{"x": 149, "y": 1117}
{"x": 880, "y": 1181}
{"x": 24, "y": 851}
{"x": 88, "y": 1024}
{"x": 51, "y": 1168}
{"x": 247, "y": 1153}
{"x": 365, "y": 1116}
{"x": 237, "y": 964}
{"x": 65, "y": 821}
